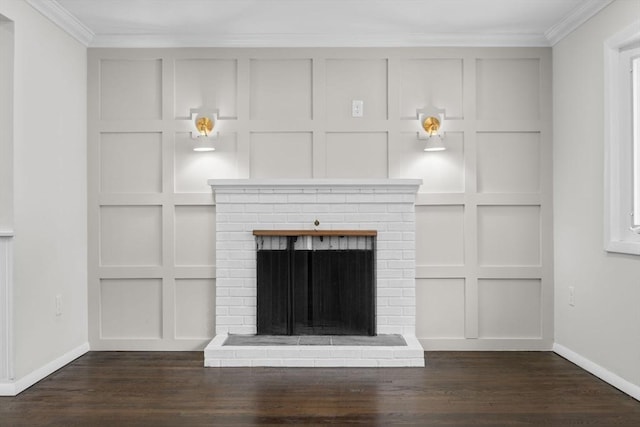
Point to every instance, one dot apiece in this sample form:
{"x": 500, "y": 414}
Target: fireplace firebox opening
{"x": 316, "y": 282}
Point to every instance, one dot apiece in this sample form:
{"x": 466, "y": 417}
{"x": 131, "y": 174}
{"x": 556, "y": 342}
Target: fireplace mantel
{"x": 316, "y": 233}
{"x": 334, "y": 185}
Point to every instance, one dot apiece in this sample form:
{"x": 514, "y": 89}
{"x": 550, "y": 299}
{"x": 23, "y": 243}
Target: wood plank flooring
{"x": 455, "y": 389}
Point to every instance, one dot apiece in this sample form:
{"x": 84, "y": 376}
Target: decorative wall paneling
{"x": 484, "y": 254}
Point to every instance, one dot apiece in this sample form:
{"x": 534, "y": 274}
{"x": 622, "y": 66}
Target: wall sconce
{"x": 431, "y": 128}
{"x": 204, "y": 124}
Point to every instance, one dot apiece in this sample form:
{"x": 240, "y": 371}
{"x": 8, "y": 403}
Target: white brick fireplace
{"x": 384, "y": 205}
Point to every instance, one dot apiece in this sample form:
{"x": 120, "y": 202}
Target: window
{"x": 622, "y": 141}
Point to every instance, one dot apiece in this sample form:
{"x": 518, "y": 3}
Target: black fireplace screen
{"x": 315, "y": 285}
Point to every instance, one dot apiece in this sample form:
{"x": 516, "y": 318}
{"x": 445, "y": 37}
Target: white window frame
{"x": 619, "y": 235}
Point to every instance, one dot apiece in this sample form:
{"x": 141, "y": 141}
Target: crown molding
{"x": 317, "y": 40}
{"x": 60, "y": 16}
{"x": 573, "y": 20}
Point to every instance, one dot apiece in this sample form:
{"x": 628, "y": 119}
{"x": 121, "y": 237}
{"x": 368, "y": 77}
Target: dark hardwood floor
{"x": 456, "y": 388}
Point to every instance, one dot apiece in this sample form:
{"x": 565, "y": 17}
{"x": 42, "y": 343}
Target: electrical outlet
{"x": 58, "y": 305}
{"x": 572, "y": 294}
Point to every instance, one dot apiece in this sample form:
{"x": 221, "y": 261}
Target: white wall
{"x": 483, "y": 216}
{"x": 50, "y": 255}
{"x": 604, "y": 324}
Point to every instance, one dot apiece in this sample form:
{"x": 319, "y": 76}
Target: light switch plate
{"x": 357, "y": 108}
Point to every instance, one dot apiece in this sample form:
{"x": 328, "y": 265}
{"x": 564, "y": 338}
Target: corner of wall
{"x": 597, "y": 370}
{"x": 13, "y": 388}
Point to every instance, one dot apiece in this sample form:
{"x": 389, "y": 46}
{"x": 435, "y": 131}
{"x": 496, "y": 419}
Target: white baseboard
{"x": 597, "y": 370}
{"x": 7, "y": 389}
{"x": 18, "y": 386}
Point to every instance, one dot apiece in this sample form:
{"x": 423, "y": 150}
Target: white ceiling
{"x": 312, "y": 23}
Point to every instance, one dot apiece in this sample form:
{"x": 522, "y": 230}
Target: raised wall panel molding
{"x": 60, "y": 16}
{"x": 326, "y": 145}
{"x": 577, "y": 17}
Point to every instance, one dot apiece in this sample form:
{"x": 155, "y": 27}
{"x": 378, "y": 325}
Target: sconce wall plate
{"x": 204, "y": 123}
{"x": 432, "y": 128}
{"x": 204, "y": 128}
